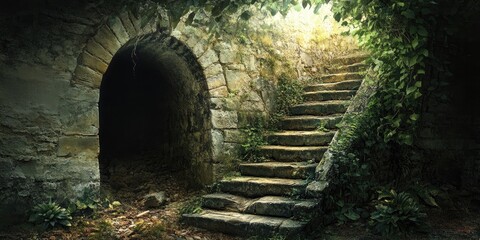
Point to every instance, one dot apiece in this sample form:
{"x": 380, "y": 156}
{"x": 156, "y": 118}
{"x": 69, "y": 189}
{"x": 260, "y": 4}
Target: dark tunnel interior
{"x": 151, "y": 108}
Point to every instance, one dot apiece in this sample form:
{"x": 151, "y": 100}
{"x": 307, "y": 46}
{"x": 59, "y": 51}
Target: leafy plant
{"x": 192, "y": 206}
{"x": 89, "y": 202}
{"x": 254, "y": 139}
{"x": 396, "y": 213}
{"x": 288, "y": 93}
{"x": 50, "y": 215}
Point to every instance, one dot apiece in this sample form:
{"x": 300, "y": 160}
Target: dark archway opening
{"x": 452, "y": 121}
{"x": 154, "y": 120}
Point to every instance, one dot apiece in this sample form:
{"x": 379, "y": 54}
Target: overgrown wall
{"x": 52, "y": 60}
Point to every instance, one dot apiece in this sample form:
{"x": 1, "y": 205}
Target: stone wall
{"x": 52, "y": 60}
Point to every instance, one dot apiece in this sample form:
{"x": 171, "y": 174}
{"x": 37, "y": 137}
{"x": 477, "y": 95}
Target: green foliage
{"x": 288, "y": 92}
{"x": 396, "y": 213}
{"x": 86, "y": 204}
{"x": 192, "y": 206}
{"x": 50, "y": 215}
{"x": 253, "y": 139}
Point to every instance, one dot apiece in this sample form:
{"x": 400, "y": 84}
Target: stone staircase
{"x": 269, "y": 197}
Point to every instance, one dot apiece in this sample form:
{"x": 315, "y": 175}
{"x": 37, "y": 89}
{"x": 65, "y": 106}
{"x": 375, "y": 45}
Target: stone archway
{"x": 118, "y": 37}
{"x": 154, "y": 113}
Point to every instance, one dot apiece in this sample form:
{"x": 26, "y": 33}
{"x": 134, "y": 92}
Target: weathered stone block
{"x": 93, "y": 62}
{"x": 220, "y": 92}
{"x": 127, "y": 24}
{"x": 85, "y": 124}
{"x": 216, "y": 81}
{"x": 213, "y": 70}
{"x": 224, "y": 119}
{"x": 228, "y": 56}
{"x": 233, "y": 136}
{"x": 107, "y": 39}
{"x": 236, "y": 80}
{"x": 200, "y": 48}
{"x": 208, "y": 58}
{"x": 87, "y": 76}
{"x": 73, "y": 146}
{"x": 99, "y": 51}
{"x": 118, "y": 29}
{"x": 217, "y": 103}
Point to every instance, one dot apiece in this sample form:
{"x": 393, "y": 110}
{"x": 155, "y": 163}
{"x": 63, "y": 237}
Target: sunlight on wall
{"x": 306, "y": 26}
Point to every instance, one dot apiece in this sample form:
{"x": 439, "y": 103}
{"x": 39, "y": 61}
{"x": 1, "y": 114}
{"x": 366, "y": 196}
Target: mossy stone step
{"x": 320, "y": 108}
{"x": 344, "y": 85}
{"x": 329, "y": 95}
{"x": 258, "y": 186}
{"x": 293, "y": 153}
{"x": 308, "y": 122}
{"x": 299, "y": 170}
{"x": 349, "y": 59}
{"x": 300, "y": 138}
{"x": 267, "y": 206}
{"x": 244, "y": 224}
{"x": 339, "y": 77}
{"x": 356, "y": 67}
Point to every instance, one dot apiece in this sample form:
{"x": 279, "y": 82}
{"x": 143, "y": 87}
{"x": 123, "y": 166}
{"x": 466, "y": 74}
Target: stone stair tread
{"x": 330, "y": 91}
{"x": 315, "y": 103}
{"x": 300, "y": 138}
{"x": 319, "y": 108}
{"x": 243, "y": 224}
{"x": 302, "y": 133}
{"x": 343, "y": 85}
{"x": 249, "y": 186}
{"x": 263, "y": 180}
{"x": 284, "y": 153}
{"x": 340, "y": 77}
{"x": 350, "y": 58}
{"x": 292, "y": 148}
{"x": 276, "y": 206}
{"x": 348, "y": 67}
{"x": 314, "y": 117}
{"x": 326, "y": 95}
{"x": 300, "y": 170}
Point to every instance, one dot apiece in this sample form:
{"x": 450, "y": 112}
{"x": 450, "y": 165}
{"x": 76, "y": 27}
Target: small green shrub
{"x": 254, "y": 139}
{"x": 87, "y": 204}
{"x": 50, "y": 215}
{"x": 192, "y": 206}
{"x": 288, "y": 93}
{"x": 397, "y": 213}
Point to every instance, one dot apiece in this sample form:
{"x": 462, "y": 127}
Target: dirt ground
{"x": 131, "y": 220}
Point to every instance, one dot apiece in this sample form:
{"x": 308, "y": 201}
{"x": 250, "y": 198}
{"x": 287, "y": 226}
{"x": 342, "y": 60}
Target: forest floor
{"x": 131, "y": 220}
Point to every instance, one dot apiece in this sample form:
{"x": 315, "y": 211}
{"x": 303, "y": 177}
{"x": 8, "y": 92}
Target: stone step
{"x": 356, "y": 67}
{"x": 308, "y": 122}
{"x": 259, "y": 187}
{"x": 300, "y": 138}
{"x": 339, "y": 77}
{"x": 244, "y": 224}
{"x": 302, "y": 170}
{"x": 329, "y": 95}
{"x": 320, "y": 108}
{"x": 267, "y": 206}
{"x": 344, "y": 85}
{"x": 293, "y": 154}
{"x": 349, "y": 59}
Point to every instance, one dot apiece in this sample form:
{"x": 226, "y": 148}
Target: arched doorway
{"x": 154, "y": 116}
